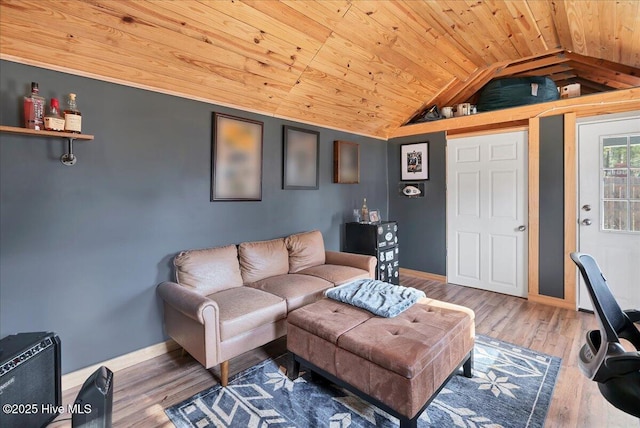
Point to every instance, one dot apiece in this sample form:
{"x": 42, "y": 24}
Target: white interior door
{"x": 487, "y": 212}
{"x": 609, "y": 203}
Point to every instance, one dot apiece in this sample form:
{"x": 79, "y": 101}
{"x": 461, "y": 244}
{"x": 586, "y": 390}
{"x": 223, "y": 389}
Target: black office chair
{"x": 603, "y": 359}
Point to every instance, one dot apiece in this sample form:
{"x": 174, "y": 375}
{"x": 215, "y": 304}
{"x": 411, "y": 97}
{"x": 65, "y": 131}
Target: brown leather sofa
{"x": 228, "y": 300}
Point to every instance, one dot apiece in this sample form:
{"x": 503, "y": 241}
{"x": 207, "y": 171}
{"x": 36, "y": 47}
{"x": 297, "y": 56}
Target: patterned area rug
{"x": 511, "y": 387}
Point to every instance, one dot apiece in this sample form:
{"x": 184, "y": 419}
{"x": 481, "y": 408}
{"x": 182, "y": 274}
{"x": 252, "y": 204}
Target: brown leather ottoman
{"x": 398, "y": 364}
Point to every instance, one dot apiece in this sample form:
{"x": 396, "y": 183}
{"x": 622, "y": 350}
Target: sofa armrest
{"x": 187, "y": 301}
{"x": 360, "y": 261}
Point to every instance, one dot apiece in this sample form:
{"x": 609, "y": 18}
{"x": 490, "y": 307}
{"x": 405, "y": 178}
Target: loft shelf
{"x": 68, "y": 158}
{"x": 34, "y": 133}
{"x": 586, "y": 105}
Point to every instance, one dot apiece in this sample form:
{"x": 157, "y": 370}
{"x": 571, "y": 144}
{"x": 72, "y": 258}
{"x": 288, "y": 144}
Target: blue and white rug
{"x": 511, "y": 387}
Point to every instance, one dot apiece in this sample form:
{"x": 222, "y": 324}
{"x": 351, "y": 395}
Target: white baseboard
{"x": 77, "y": 378}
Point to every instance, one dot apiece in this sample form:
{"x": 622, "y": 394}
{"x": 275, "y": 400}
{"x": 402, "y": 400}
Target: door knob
{"x": 586, "y": 222}
{"x": 586, "y": 207}
{"x": 522, "y": 228}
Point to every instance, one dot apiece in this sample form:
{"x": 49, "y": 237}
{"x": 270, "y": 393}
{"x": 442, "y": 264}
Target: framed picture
{"x": 414, "y": 161}
{"x": 374, "y": 216}
{"x": 346, "y": 162}
{"x": 301, "y": 158}
{"x": 236, "y": 159}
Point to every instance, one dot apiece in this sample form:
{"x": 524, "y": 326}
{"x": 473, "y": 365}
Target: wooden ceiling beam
{"x": 592, "y": 86}
{"x": 534, "y": 63}
{"x": 545, "y": 71}
{"x": 564, "y": 82}
{"x": 605, "y": 77}
{"x": 567, "y": 79}
{"x": 604, "y": 64}
{"x": 562, "y": 79}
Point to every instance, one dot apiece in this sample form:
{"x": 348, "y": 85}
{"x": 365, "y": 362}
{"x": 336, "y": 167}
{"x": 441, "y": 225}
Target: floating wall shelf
{"x": 68, "y": 158}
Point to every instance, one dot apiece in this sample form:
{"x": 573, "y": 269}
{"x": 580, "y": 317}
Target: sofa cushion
{"x": 262, "y": 259}
{"x": 297, "y": 290}
{"x": 208, "y": 270}
{"x": 305, "y": 250}
{"x": 244, "y": 308}
{"x": 336, "y": 274}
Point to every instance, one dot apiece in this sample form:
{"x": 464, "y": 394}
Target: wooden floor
{"x": 142, "y": 392}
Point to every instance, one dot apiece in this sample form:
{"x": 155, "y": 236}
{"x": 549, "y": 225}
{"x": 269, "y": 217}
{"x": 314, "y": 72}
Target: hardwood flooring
{"x": 142, "y": 392}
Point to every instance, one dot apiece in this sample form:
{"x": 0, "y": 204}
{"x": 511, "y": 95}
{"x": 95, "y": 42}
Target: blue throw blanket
{"x": 381, "y": 298}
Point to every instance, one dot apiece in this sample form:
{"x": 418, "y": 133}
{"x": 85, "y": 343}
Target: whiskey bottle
{"x": 365, "y": 212}
{"x": 72, "y": 116}
{"x": 34, "y": 109}
{"x": 53, "y": 121}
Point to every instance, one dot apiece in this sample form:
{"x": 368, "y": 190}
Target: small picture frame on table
{"x": 374, "y": 216}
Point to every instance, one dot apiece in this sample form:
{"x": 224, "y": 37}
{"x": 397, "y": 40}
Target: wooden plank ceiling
{"x": 362, "y": 66}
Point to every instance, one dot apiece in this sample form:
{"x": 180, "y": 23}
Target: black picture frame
{"x": 414, "y": 161}
{"x": 236, "y": 158}
{"x": 300, "y": 159}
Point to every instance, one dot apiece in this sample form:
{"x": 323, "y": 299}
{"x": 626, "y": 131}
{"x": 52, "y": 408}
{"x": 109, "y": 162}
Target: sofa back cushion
{"x": 209, "y": 270}
{"x": 263, "y": 259}
{"x": 305, "y": 250}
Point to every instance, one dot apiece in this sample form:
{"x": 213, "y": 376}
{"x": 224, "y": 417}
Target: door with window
{"x": 609, "y": 203}
{"x": 487, "y": 212}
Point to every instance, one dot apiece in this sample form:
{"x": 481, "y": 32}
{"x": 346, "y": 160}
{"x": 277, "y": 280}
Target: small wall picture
{"x": 414, "y": 161}
{"x": 236, "y": 172}
{"x": 346, "y": 158}
{"x": 374, "y": 216}
{"x": 300, "y": 164}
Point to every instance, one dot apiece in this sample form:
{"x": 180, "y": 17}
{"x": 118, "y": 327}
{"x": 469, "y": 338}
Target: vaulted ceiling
{"x": 362, "y": 66}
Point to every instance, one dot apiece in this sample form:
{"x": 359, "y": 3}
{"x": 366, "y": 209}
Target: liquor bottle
{"x": 52, "y": 120}
{"x": 34, "y": 109}
{"x": 365, "y": 211}
{"x": 72, "y": 116}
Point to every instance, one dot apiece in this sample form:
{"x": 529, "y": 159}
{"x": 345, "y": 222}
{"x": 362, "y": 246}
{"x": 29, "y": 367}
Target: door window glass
{"x": 620, "y": 184}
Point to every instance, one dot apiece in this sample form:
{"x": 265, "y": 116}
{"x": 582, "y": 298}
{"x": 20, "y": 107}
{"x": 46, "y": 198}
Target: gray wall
{"x": 82, "y": 248}
{"x": 551, "y": 236}
{"x": 421, "y": 221}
